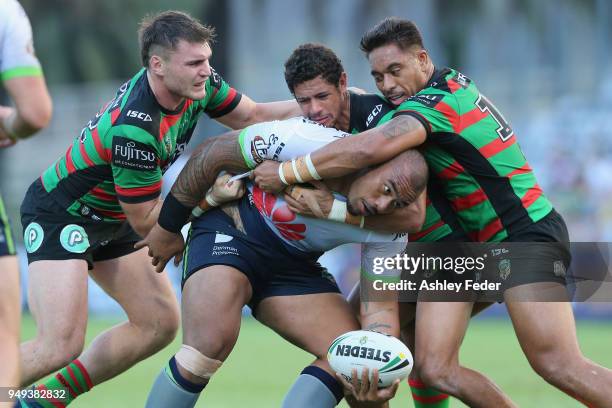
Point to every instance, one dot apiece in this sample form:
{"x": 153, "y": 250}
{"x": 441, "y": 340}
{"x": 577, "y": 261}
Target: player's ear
{"x": 342, "y": 82}
{"x": 156, "y": 64}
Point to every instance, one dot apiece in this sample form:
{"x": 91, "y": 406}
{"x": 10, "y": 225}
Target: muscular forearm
{"x": 199, "y": 174}
{"x": 371, "y": 147}
{"x": 276, "y": 111}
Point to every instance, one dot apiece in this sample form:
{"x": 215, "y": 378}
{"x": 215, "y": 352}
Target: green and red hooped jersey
{"x": 473, "y": 152}
{"x": 122, "y": 153}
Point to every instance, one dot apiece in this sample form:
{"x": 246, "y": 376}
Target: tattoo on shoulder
{"x": 398, "y": 126}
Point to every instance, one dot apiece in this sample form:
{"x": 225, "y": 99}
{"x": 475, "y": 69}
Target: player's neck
{"x": 344, "y": 121}
{"x": 165, "y": 98}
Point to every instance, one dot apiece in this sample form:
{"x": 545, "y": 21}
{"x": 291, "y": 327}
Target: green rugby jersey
{"x": 474, "y": 154}
{"x": 123, "y": 151}
{"x": 369, "y": 111}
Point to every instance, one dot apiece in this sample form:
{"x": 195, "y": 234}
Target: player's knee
{"x": 160, "y": 327}
{"x": 199, "y": 367}
{"x": 555, "y": 369}
{"x": 434, "y": 372}
{"x": 61, "y": 350}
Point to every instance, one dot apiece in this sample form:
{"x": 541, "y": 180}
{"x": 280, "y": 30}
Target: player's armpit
{"x": 199, "y": 174}
{"x": 142, "y": 216}
{"x": 368, "y": 148}
{"x": 248, "y": 112}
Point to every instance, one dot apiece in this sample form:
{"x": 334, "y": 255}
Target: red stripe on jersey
{"x": 531, "y": 196}
{"x": 418, "y": 235}
{"x": 487, "y": 232}
{"x": 139, "y": 191}
{"x": 114, "y": 115}
{"x": 56, "y": 403}
{"x": 521, "y": 170}
{"x": 228, "y": 99}
{"x": 170, "y": 120}
{"x": 452, "y": 171}
{"x": 496, "y": 146}
{"x": 469, "y": 201}
{"x": 102, "y": 152}
{"x": 69, "y": 163}
{"x": 429, "y": 400}
{"x": 85, "y": 155}
{"x": 102, "y": 195}
{"x": 450, "y": 115}
{"x": 427, "y": 200}
{"x": 57, "y": 170}
{"x": 453, "y": 85}
{"x": 118, "y": 215}
{"x": 468, "y": 119}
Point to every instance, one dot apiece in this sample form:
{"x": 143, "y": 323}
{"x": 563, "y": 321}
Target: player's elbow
{"x": 37, "y": 116}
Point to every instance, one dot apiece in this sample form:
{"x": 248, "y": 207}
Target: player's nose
{"x": 384, "y": 204}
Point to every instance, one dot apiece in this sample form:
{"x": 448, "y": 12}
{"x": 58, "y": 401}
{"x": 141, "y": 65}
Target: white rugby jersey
{"x": 284, "y": 140}
{"x": 17, "y": 56}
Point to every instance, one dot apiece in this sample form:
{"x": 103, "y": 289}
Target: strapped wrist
{"x": 173, "y": 214}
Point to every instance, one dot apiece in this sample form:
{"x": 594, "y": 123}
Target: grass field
{"x": 263, "y": 366}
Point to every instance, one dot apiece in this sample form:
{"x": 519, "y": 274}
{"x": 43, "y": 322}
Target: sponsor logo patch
{"x": 259, "y": 149}
{"x": 130, "y": 154}
{"x": 33, "y": 237}
{"x": 74, "y": 239}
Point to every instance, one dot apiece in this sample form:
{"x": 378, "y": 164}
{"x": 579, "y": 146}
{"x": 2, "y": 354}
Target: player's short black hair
{"x": 167, "y": 28}
{"x": 392, "y": 30}
{"x": 310, "y": 60}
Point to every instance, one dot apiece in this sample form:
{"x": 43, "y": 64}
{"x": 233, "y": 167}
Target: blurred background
{"x": 547, "y": 65}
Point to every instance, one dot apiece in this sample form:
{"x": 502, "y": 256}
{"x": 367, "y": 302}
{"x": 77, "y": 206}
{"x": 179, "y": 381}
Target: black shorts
{"x": 7, "y": 246}
{"x": 51, "y": 233}
{"x": 271, "y": 267}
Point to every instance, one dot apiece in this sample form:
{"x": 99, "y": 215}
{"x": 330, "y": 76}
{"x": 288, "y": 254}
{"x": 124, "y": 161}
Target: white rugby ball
{"x": 362, "y": 348}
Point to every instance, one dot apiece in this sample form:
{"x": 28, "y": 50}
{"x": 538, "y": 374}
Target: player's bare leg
{"x": 152, "y": 310}
{"x": 437, "y": 355}
{"x": 212, "y": 304}
{"x": 10, "y": 313}
{"x": 296, "y": 318}
{"x": 547, "y": 334}
{"x": 57, "y": 296}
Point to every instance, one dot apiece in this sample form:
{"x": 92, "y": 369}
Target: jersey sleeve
{"x": 436, "y": 111}
{"x": 135, "y": 165}
{"x": 221, "y": 98}
{"x": 17, "y": 58}
{"x": 284, "y": 140}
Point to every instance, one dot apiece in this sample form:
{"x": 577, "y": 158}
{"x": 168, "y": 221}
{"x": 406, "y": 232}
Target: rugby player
{"x": 22, "y": 77}
{"x": 472, "y": 150}
{"x": 263, "y": 255}
{"x": 87, "y": 210}
{"x": 316, "y": 78}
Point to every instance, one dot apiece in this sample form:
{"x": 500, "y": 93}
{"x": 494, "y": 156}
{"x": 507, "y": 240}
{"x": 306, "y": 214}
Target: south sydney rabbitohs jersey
{"x": 121, "y": 154}
{"x": 284, "y": 140}
{"x": 474, "y": 154}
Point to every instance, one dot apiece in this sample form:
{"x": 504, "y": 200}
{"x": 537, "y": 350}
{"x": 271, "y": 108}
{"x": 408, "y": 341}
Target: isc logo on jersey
{"x": 139, "y": 115}
{"x": 373, "y": 114}
{"x": 362, "y": 348}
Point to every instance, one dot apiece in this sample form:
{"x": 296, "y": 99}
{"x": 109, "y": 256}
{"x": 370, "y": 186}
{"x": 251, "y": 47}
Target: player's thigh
{"x": 543, "y": 328}
{"x": 311, "y": 321}
{"x": 57, "y": 296}
{"x": 10, "y": 307}
{"x": 146, "y": 296}
{"x": 211, "y": 305}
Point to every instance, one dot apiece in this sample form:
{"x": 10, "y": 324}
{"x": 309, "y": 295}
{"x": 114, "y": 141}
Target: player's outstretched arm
{"x": 249, "y": 112}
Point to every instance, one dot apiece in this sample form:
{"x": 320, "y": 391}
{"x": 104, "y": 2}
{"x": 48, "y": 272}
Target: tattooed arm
{"x": 198, "y": 175}
{"x": 371, "y": 147}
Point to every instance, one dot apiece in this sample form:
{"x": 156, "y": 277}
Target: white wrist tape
{"x": 311, "y": 168}
{"x": 197, "y": 363}
{"x": 281, "y": 175}
{"x": 298, "y": 177}
{"x": 196, "y": 212}
{"x": 338, "y": 211}
{"x": 210, "y": 200}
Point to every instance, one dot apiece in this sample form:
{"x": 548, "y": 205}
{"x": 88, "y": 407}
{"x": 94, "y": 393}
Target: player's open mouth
{"x": 321, "y": 120}
{"x": 396, "y": 99}
{"x": 367, "y": 209}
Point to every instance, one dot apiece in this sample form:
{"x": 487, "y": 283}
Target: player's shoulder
{"x": 137, "y": 106}
{"x": 366, "y": 110}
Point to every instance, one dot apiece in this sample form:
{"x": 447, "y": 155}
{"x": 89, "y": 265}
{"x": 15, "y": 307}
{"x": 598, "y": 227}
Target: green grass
{"x": 263, "y": 366}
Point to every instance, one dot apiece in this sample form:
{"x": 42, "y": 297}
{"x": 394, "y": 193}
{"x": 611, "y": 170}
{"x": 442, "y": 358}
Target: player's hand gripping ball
{"x": 362, "y": 348}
